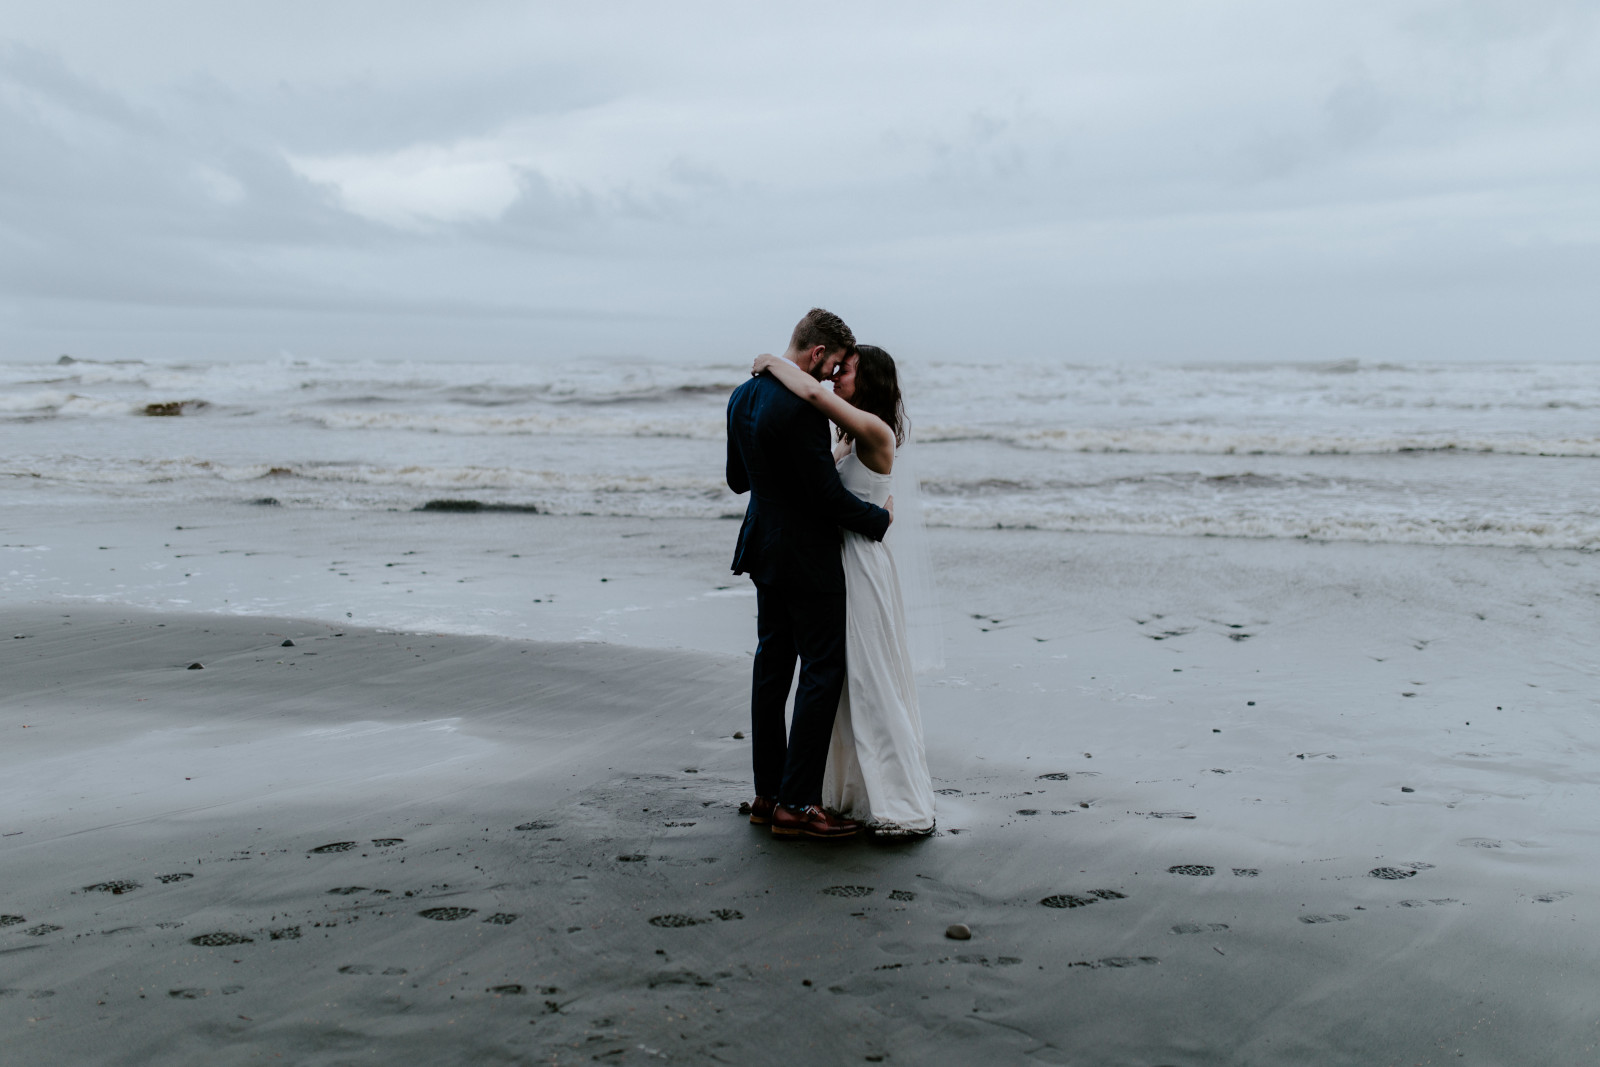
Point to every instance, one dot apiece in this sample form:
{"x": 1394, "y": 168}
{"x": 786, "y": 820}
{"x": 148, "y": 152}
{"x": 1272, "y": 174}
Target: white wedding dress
{"x": 877, "y": 768}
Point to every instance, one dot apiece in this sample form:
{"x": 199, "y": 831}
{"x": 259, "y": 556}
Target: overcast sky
{"x": 1084, "y": 181}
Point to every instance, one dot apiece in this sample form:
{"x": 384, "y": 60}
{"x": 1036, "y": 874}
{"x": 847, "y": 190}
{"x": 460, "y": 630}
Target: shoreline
{"x": 1110, "y": 661}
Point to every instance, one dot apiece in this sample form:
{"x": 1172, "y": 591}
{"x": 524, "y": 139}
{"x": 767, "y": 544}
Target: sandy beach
{"x": 1203, "y": 801}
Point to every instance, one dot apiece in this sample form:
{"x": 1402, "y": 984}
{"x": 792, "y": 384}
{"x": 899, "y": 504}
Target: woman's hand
{"x": 763, "y": 361}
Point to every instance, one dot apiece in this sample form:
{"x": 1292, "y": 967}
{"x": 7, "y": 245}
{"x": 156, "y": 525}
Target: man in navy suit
{"x": 778, "y": 452}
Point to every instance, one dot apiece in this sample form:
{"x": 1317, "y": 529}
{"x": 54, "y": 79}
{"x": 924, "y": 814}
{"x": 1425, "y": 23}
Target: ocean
{"x": 1435, "y": 453}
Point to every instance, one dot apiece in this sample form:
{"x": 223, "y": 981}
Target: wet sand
{"x": 1202, "y": 802}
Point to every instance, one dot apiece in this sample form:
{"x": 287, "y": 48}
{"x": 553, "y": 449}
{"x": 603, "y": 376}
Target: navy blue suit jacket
{"x": 778, "y": 452}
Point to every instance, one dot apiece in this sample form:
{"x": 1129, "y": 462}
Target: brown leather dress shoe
{"x": 810, "y": 821}
{"x": 760, "y": 810}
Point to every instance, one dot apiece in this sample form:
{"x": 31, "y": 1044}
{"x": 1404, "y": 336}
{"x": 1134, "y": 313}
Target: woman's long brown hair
{"x": 878, "y": 391}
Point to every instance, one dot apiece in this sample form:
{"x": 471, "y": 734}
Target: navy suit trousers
{"x": 794, "y": 623}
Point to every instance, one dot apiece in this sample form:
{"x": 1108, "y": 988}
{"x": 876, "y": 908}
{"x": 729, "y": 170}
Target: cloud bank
{"x": 1134, "y": 180}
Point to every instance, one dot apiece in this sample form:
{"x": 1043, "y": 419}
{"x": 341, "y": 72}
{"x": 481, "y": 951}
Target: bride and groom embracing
{"x": 828, "y": 592}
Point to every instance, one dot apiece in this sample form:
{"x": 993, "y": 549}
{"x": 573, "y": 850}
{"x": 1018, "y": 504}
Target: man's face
{"x": 826, "y": 362}
{"x": 844, "y": 381}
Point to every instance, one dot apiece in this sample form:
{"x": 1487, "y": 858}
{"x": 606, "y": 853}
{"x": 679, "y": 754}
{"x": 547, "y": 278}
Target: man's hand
{"x": 888, "y": 505}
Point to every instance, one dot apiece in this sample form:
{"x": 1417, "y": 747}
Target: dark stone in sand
{"x": 286, "y": 643}
{"x": 1407, "y": 789}
{"x": 172, "y": 408}
{"x": 958, "y": 932}
{"x": 477, "y": 505}
{"x": 196, "y": 667}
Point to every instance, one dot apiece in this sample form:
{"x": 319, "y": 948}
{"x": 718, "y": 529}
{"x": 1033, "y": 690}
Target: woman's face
{"x": 844, "y": 383}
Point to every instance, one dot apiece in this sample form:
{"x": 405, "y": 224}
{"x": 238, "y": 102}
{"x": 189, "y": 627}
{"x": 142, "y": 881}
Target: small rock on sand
{"x": 958, "y": 932}
{"x": 196, "y": 667}
{"x": 286, "y": 643}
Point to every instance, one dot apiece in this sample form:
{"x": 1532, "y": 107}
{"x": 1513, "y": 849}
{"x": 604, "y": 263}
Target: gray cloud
{"x": 1396, "y": 179}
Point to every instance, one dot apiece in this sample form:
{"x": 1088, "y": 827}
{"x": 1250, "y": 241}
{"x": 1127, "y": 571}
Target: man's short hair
{"x": 820, "y": 327}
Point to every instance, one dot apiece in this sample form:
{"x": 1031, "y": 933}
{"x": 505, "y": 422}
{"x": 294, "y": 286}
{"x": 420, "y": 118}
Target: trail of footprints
{"x": 1065, "y": 901}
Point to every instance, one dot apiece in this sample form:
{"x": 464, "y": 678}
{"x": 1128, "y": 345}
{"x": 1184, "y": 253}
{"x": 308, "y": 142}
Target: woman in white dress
{"x": 877, "y": 767}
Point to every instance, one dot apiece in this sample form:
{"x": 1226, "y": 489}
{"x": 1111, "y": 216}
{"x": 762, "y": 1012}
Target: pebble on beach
{"x": 286, "y": 643}
{"x": 196, "y": 667}
{"x": 958, "y": 932}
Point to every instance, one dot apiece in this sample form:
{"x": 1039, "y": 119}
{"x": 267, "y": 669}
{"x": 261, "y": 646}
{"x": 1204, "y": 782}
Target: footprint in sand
{"x": 188, "y": 994}
{"x": 509, "y": 990}
{"x": 347, "y": 890}
{"x": 1425, "y": 903}
{"x": 446, "y": 915}
{"x": 535, "y": 825}
{"x": 287, "y": 933}
{"x": 1551, "y": 898}
{"x": 674, "y": 922}
{"x": 727, "y": 914}
{"x": 1314, "y": 920}
{"x": 1116, "y": 962}
{"x": 1166, "y": 814}
{"x": 220, "y": 938}
{"x": 501, "y": 918}
{"x": 337, "y": 846}
{"x": 168, "y": 879}
{"x": 1197, "y": 870}
{"x": 1054, "y": 776}
{"x": 11, "y": 920}
{"x": 1480, "y": 842}
{"x": 1392, "y": 874}
{"x": 116, "y": 887}
{"x": 902, "y": 894}
{"x": 41, "y": 929}
{"x": 1094, "y": 896}
{"x": 1199, "y": 928}
{"x": 948, "y": 792}
{"x": 1246, "y": 872}
{"x": 849, "y": 890}
{"x": 387, "y": 842}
